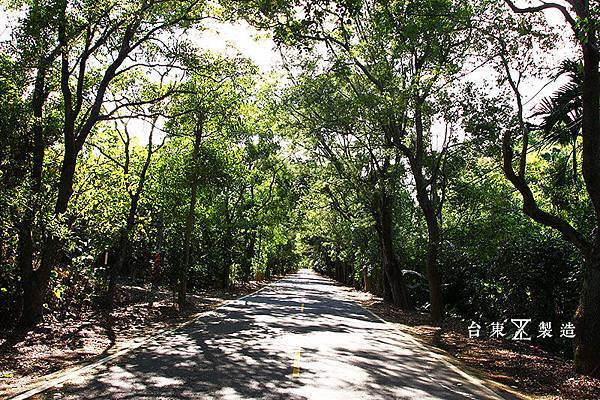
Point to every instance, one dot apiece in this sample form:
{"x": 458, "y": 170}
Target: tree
{"x": 85, "y": 32}
{"x": 213, "y": 93}
{"x": 581, "y": 17}
{"x": 334, "y": 114}
{"x": 561, "y": 111}
{"x": 390, "y": 46}
{"x": 134, "y": 192}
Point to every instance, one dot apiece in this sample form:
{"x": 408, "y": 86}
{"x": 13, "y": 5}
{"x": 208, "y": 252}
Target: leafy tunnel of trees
{"x": 401, "y": 149}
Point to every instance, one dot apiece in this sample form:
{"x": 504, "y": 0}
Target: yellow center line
{"x": 296, "y": 367}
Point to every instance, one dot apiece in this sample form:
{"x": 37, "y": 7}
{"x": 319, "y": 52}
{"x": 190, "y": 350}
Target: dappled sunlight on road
{"x": 297, "y": 339}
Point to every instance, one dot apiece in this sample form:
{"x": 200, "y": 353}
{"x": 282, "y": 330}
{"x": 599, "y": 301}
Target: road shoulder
{"x": 497, "y": 363}
{"x": 23, "y": 387}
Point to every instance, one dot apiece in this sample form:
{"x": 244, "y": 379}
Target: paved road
{"x": 296, "y": 339}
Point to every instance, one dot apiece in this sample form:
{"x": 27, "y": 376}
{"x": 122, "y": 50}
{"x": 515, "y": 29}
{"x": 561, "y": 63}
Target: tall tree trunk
{"x": 433, "y": 271}
{"x": 432, "y": 260}
{"x": 426, "y": 198}
{"x": 587, "y": 318}
{"x": 227, "y": 247}
{"x": 189, "y": 222}
{"x": 587, "y": 343}
{"x": 155, "y": 272}
{"x": 433, "y": 229}
{"x": 31, "y": 300}
{"x": 590, "y": 121}
{"x": 134, "y": 199}
{"x": 385, "y": 286}
{"x": 248, "y": 256}
{"x": 587, "y": 351}
{"x": 34, "y": 292}
{"x": 393, "y": 278}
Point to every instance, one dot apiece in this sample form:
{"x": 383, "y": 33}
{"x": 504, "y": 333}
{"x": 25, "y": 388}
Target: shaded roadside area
{"x": 67, "y": 339}
{"x": 528, "y": 369}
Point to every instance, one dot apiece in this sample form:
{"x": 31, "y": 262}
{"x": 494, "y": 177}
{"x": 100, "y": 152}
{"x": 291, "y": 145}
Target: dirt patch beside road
{"x": 61, "y": 343}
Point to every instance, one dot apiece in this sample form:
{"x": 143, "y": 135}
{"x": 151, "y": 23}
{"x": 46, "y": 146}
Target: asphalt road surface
{"x": 299, "y": 338}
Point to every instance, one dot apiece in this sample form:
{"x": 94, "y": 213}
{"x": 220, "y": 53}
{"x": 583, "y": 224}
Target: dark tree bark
{"x": 79, "y": 120}
{"x": 248, "y": 256}
{"x": 393, "y": 278}
{"x": 227, "y": 247}
{"x": 587, "y": 353}
{"x": 433, "y": 244}
{"x": 31, "y": 300}
{"x": 429, "y": 205}
{"x": 380, "y": 203}
{"x": 34, "y": 291}
{"x": 587, "y": 318}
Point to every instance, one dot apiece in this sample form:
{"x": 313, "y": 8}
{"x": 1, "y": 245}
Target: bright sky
{"x": 6, "y": 21}
{"x": 228, "y": 37}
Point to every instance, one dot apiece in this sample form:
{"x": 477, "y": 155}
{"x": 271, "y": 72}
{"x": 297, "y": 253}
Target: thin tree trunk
{"x": 227, "y": 244}
{"x": 248, "y": 256}
{"x": 426, "y": 204}
{"x": 434, "y": 279}
{"x": 433, "y": 272}
{"x": 123, "y": 259}
{"x": 189, "y": 223}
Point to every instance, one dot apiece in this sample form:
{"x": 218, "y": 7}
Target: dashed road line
{"x": 296, "y": 366}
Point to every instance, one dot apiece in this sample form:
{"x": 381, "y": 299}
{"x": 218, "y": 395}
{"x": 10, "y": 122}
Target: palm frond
{"x": 561, "y": 111}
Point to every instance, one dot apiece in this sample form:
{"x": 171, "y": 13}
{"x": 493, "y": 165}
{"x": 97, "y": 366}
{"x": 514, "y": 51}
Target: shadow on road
{"x": 248, "y": 349}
